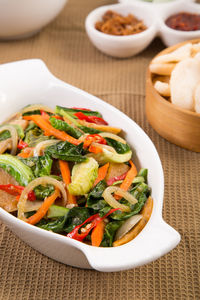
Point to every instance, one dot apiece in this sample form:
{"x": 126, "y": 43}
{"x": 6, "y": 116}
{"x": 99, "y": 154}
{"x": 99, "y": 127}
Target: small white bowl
{"x": 121, "y": 46}
{"x": 154, "y": 16}
{"x": 171, "y": 36}
{"x": 23, "y": 18}
{"x": 30, "y": 81}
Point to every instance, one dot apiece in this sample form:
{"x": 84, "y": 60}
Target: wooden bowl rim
{"x": 161, "y": 98}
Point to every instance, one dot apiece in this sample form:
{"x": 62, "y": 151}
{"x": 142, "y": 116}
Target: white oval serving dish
{"x": 153, "y": 15}
{"x": 30, "y": 81}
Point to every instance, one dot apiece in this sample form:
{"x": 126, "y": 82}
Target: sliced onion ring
{"x": 108, "y": 197}
{"x": 112, "y": 136}
{"x": 32, "y": 205}
{"x": 127, "y": 226}
{"x": 37, "y": 107}
{"x": 5, "y": 144}
{"x": 109, "y": 148}
{"x": 14, "y": 137}
{"x": 41, "y": 180}
{"x": 42, "y": 145}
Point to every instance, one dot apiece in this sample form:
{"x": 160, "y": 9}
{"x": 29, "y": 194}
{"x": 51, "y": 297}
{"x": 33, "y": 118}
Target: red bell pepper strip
{"x": 90, "y": 119}
{"x": 93, "y": 138}
{"x": 21, "y": 145}
{"x": 12, "y": 189}
{"x": 92, "y": 221}
{"x": 16, "y": 190}
{"x": 116, "y": 178}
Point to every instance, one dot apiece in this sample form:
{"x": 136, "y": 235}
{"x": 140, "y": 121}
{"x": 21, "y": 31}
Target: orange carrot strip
{"x": 27, "y": 152}
{"x": 146, "y": 214}
{"x": 45, "y": 116}
{"x": 65, "y": 171}
{"x": 43, "y": 208}
{"x": 23, "y": 155}
{"x": 97, "y": 234}
{"x": 95, "y": 149}
{"x": 101, "y": 173}
{"x": 50, "y": 130}
{"x": 128, "y": 179}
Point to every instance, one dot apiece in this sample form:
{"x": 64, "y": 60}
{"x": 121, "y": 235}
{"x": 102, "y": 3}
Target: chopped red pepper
{"x": 116, "y": 178}
{"x": 31, "y": 196}
{"x": 91, "y": 119}
{"x": 93, "y": 138}
{"x": 81, "y": 108}
{"x": 92, "y": 222}
{"x": 16, "y": 190}
{"x": 21, "y": 145}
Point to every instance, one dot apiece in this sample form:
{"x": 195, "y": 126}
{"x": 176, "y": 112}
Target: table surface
{"x": 25, "y": 273}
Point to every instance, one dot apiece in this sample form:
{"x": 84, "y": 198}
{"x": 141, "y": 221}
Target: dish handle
{"x": 155, "y": 240}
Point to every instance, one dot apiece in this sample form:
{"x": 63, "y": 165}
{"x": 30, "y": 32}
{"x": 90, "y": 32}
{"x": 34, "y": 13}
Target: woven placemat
{"x": 26, "y": 274}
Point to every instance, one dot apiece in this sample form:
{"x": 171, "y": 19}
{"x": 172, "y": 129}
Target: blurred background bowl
{"x": 126, "y": 45}
{"x": 23, "y": 18}
{"x": 175, "y": 124}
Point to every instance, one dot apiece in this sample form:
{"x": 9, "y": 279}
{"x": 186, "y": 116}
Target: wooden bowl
{"x": 177, "y": 125}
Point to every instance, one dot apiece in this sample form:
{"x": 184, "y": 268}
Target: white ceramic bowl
{"x": 29, "y": 81}
{"x": 170, "y": 36}
{"x": 121, "y": 46}
{"x": 153, "y": 15}
{"x": 23, "y": 18}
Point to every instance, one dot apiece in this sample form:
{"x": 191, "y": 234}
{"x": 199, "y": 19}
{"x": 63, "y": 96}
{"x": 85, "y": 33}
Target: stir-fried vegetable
{"x": 72, "y": 174}
{"x": 65, "y": 171}
{"x": 109, "y": 156}
{"x": 22, "y": 173}
{"x": 83, "y": 177}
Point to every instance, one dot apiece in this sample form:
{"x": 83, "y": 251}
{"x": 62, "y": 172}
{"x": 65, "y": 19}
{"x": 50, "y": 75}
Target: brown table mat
{"x": 26, "y": 274}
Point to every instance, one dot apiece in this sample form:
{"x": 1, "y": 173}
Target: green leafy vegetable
{"x": 42, "y": 191}
{"x": 40, "y": 166}
{"x": 32, "y": 112}
{"x": 55, "y": 226}
{"x": 72, "y": 111}
{"x": 66, "y": 151}
{"x": 76, "y": 216}
{"x": 144, "y": 174}
{"x": 61, "y": 125}
{"x": 4, "y": 135}
{"x": 109, "y": 234}
{"x": 95, "y": 199}
{"x": 65, "y": 114}
{"x": 83, "y": 177}
{"x": 12, "y": 165}
{"x": 118, "y": 146}
{"x": 89, "y": 130}
{"x": 34, "y": 136}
